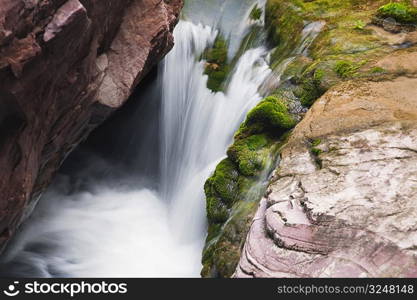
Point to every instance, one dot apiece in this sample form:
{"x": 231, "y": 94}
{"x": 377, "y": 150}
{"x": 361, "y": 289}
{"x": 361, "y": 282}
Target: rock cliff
{"x": 65, "y": 65}
{"x": 341, "y": 200}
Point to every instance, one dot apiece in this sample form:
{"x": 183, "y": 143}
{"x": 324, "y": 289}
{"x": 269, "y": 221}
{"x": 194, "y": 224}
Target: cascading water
{"x": 159, "y": 229}
{"x": 198, "y": 125}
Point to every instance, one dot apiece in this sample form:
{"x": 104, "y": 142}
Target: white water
{"x": 231, "y": 17}
{"x": 198, "y": 125}
{"x": 135, "y": 231}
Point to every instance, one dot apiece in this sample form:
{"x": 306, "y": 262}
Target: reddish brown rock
{"x": 64, "y": 67}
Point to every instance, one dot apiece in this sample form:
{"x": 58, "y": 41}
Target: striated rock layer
{"x": 343, "y": 202}
{"x": 65, "y": 65}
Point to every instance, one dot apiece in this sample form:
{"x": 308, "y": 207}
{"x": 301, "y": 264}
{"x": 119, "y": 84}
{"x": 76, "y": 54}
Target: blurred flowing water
{"x": 152, "y": 223}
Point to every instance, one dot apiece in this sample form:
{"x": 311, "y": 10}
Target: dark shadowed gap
{"x": 116, "y": 145}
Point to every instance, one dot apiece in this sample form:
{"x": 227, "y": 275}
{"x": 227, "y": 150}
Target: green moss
{"x": 284, "y": 23}
{"x": 216, "y": 210}
{"x": 316, "y": 151}
{"x": 244, "y": 153}
{"x": 217, "y": 67}
{"x": 310, "y": 88}
{"x": 227, "y": 251}
{"x": 377, "y": 70}
{"x": 318, "y": 75}
{"x": 238, "y": 182}
{"x": 221, "y": 190}
{"x": 345, "y": 68}
{"x": 229, "y": 221}
{"x": 256, "y": 13}
{"x": 270, "y": 115}
{"x": 296, "y": 67}
{"x": 316, "y": 142}
{"x": 402, "y": 12}
{"x": 285, "y": 20}
{"x": 218, "y": 54}
{"x": 339, "y": 52}
{"x": 359, "y": 25}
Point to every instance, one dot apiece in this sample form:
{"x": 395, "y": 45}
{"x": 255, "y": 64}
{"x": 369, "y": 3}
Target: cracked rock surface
{"x": 343, "y": 202}
{"x": 65, "y": 65}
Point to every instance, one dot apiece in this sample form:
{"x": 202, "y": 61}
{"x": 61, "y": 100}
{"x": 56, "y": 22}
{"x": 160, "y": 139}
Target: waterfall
{"x": 143, "y": 230}
{"x": 198, "y": 125}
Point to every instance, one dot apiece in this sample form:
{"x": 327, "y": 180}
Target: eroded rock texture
{"x": 65, "y": 65}
{"x": 343, "y": 202}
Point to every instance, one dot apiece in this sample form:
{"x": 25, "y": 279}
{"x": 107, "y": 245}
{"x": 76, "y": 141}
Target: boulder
{"x": 343, "y": 201}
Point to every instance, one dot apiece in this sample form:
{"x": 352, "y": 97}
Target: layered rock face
{"x": 343, "y": 201}
{"x": 363, "y": 62}
{"x": 64, "y": 67}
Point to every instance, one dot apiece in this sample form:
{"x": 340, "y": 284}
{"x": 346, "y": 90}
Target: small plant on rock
{"x": 359, "y": 25}
{"x": 345, "y": 69}
{"x": 401, "y": 12}
{"x": 256, "y": 13}
{"x": 217, "y": 67}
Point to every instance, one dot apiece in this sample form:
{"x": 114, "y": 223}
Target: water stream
{"x": 154, "y": 224}
{"x": 141, "y": 211}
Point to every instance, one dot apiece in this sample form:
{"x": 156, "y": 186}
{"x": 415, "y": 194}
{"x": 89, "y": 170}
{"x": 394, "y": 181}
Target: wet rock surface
{"x": 64, "y": 67}
{"x": 343, "y": 200}
{"x": 365, "y": 72}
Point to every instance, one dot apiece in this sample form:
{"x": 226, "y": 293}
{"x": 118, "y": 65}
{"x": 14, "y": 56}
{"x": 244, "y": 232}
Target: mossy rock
{"x": 232, "y": 192}
{"x": 244, "y": 153}
{"x": 227, "y": 251}
{"x": 401, "y": 12}
{"x": 296, "y": 67}
{"x": 220, "y": 190}
{"x": 270, "y": 115}
{"x": 217, "y": 67}
{"x": 224, "y": 240}
{"x": 216, "y": 209}
{"x": 283, "y": 20}
{"x": 310, "y": 87}
{"x": 345, "y": 69}
{"x": 345, "y": 49}
{"x": 345, "y": 37}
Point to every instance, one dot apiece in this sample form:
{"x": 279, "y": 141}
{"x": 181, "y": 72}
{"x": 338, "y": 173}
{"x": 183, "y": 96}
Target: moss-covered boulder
{"x": 282, "y": 20}
{"x": 402, "y": 12}
{"x": 244, "y": 153}
{"x": 217, "y": 67}
{"x": 270, "y": 115}
{"x": 349, "y": 47}
{"x": 238, "y": 182}
{"x": 346, "y": 48}
{"x": 221, "y": 190}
